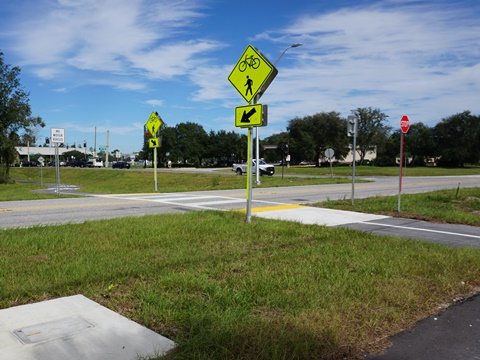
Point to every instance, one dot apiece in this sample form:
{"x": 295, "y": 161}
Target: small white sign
{"x": 57, "y": 136}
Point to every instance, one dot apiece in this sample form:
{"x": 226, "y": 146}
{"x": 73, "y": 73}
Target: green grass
{"x": 140, "y": 181}
{"x": 23, "y": 191}
{"x": 380, "y": 171}
{"x": 222, "y": 288}
{"x": 107, "y": 181}
{"x": 437, "y": 206}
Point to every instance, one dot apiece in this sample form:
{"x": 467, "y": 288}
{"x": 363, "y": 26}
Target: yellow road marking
{"x": 277, "y": 207}
{"x": 273, "y": 208}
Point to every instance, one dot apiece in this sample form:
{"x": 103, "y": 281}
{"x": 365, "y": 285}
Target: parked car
{"x": 121, "y": 165}
{"x": 52, "y": 163}
{"x": 76, "y": 163}
{"x": 265, "y": 169}
{"x": 28, "y": 164}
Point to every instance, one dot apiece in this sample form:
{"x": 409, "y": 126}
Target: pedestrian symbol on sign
{"x": 249, "y": 86}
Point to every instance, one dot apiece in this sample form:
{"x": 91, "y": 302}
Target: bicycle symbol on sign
{"x": 249, "y": 61}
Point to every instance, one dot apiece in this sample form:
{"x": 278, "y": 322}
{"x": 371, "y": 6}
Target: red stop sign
{"x": 404, "y": 124}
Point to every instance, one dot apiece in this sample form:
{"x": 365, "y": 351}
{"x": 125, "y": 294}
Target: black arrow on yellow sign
{"x": 246, "y": 116}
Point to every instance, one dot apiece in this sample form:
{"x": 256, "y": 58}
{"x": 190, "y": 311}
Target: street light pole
{"x": 257, "y": 141}
{"x": 284, "y": 51}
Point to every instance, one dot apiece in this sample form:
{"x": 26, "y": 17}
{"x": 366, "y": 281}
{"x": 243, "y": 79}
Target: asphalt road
{"x": 452, "y": 334}
{"x": 96, "y": 207}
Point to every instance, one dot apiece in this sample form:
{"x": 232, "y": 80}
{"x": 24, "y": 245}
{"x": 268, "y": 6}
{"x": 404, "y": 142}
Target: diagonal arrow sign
{"x": 246, "y": 116}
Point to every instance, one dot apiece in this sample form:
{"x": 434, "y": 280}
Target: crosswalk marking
{"x": 207, "y": 202}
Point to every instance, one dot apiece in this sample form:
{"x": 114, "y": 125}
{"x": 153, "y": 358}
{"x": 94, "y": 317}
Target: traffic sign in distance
{"x": 154, "y": 123}
{"x": 251, "y": 115}
{"x": 404, "y": 124}
{"x": 57, "y": 136}
{"x": 153, "y": 143}
{"x": 329, "y": 153}
{"x": 252, "y": 74}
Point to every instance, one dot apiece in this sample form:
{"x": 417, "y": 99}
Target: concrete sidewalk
{"x": 314, "y": 215}
{"x": 74, "y": 328}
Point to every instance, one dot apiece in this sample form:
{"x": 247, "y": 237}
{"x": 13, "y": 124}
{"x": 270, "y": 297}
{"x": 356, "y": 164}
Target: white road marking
{"x": 426, "y": 230}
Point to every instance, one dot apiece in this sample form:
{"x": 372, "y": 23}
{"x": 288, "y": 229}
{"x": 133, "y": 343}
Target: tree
{"x": 15, "y": 116}
{"x": 390, "y": 150}
{"x": 419, "y": 143}
{"x": 278, "y": 140}
{"x": 225, "y": 147}
{"x": 458, "y": 139}
{"x": 372, "y": 132}
{"x": 191, "y": 142}
{"x": 167, "y": 145}
{"x": 74, "y": 154}
{"x": 312, "y": 135}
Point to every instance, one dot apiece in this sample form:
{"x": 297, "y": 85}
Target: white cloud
{"x": 154, "y": 102}
{"x": 421, "y": 58}
{"x": 113, "y": 36}
{"x": 413, "y": 59}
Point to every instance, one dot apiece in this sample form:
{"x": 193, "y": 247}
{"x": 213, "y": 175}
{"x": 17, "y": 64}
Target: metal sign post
{"x": 57, "y": 169}
{"x": 41, "y": 160}
{"x": 329, "y": 154}
{"x": 57, "y": 136}
{"x": 249, "y": 175}
{"x": 352, "y": 129}
{"x": 404, "y": 126}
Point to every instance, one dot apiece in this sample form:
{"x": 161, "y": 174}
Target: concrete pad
{"x": 317, "y": 216}
{"x": 74, "y": 328}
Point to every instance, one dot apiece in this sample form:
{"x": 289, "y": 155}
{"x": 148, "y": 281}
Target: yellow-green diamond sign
{"x": 252, "y": 74}
{"x": 154, "y": 123}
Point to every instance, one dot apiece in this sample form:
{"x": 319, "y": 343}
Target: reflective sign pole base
{"x": 249, "y": 176}
{"x": 257, "y": 158}
{"x": 155, "y": 169}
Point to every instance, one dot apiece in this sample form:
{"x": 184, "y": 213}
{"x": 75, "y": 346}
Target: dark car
{"x": 121, "y": 165}
{"x": 52, "y": 163}
{"x": 76, "y": 163}
{"x": 28, "y": 164}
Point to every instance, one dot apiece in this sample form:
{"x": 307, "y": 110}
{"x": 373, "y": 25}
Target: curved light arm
{"x": 284, "y": 51}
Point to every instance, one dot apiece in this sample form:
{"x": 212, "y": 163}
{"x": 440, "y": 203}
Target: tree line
{"x": 188, "y": 144}
{"x": 454, "y": 141}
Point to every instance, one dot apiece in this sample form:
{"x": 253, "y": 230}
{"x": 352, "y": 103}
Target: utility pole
{"x": 257, "y": 136}
{"x": 106, "y": 155}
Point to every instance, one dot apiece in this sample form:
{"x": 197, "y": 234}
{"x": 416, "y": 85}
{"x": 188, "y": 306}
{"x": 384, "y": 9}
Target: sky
{"x": 93, "y": 66}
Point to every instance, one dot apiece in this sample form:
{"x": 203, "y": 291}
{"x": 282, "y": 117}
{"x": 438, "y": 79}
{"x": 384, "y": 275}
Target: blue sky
{"x": 107, "y": 64}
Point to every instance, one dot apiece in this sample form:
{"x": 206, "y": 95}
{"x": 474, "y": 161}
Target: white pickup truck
{"x": 94, "y": 163}
{"x": 265, "y": 169}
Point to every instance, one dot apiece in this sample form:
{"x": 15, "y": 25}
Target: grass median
{"x": 222, "y": 288}
{"x": 103, "y": 181}
{"x": 455, "y": 206}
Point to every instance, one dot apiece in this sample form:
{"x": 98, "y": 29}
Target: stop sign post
{"x": 404, "y": 126}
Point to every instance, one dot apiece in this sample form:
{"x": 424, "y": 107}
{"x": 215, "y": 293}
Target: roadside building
{"x": 24, "y": 152}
